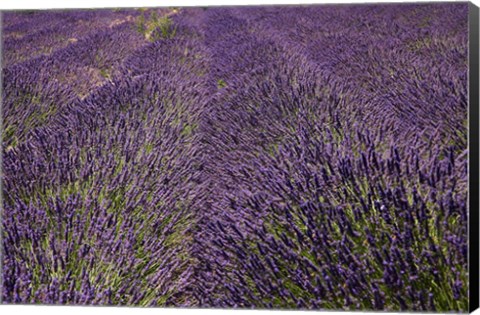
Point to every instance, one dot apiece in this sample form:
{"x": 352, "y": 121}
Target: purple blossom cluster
{"x": 262, "y": 157}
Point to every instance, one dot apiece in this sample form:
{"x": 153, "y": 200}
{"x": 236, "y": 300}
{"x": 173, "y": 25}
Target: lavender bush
{"x": 260, "y": 157}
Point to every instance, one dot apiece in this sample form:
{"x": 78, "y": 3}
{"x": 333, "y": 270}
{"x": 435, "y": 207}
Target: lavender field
{"x": 255, "y": 157}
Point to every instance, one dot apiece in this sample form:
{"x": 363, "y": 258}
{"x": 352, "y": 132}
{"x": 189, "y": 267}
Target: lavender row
{"x": 58, "y": 30}
{"x": 306, "y": 199}
{"x": 37, "y": 90}
{"x": 109, "y": 187}
{"x": 309, "y": 158}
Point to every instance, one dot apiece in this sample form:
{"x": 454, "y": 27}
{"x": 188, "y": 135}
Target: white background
{"x": 74, "y": 310}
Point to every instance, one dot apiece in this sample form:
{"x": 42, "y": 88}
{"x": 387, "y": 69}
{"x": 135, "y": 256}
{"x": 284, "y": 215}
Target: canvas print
{"x": 268, "y": 157}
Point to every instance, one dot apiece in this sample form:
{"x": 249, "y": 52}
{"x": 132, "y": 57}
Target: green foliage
{"x": 221, "y": 84}
{"x": 104, "y": 73}
{"x": 155, "y": 27}
{"x": 141, "y": 24}
{"x": 164, "y": 25}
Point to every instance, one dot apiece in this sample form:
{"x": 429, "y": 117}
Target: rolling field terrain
{"x": 307, "y": 157}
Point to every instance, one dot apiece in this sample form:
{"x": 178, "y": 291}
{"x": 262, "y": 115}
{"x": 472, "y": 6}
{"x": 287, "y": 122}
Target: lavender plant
{"x": 264, "y": 157}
